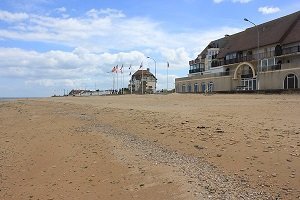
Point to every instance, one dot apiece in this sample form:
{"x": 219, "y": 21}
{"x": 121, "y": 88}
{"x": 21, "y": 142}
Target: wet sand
{"x": 151, "y": 147}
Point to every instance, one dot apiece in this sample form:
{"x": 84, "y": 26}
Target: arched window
{"x": 203, "y": 87}
{"x": 210, "y": 86}
{"x": 290, "y": 82}
{"x": 189, "y": 88}
{"x": 183, "y": 88}
{"x": 196, "y": 88}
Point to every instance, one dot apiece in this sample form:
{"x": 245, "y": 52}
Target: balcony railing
{"x": 191, "y": 71}
{"x": 217, "y": 63}
{"x": 291, "y": 50}
{"x": 270, "y": 68}
{"x": 196, "y": 61}
{"x": 239, "y": 58}
{"x": 217, "y": 74}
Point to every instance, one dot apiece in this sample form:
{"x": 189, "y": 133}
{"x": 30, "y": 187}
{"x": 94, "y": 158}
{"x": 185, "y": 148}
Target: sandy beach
{"x": 176, "y": 146}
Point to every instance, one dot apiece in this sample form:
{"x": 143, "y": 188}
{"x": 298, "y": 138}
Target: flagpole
{"x": 117, "y": 82}
{"x": 142, "y": 81}
{"x": 141, "y": 67}
{"x": 130, "y": 85}
{"x": 113, "y": 83}
{"x": 130, "y": 79}
{"x": 167, "y": 76}
{"x": 123, "y": 83}
{"x": 122, "y": 80}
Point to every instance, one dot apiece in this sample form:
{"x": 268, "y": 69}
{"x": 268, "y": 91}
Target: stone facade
{"x": 142, "y": 81}
{"x": 239, "y": 62}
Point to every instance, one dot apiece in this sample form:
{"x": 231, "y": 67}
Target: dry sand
{"x": 151, "y": 147}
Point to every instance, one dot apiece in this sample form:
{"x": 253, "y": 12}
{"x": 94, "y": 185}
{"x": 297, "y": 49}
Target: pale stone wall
{"x": 268, "y": 80}
{"x": 274, "y": 79}
{"x": 222, "y": 83}
{"x": 291, "y": 62}
{"x": 151, "y": 84}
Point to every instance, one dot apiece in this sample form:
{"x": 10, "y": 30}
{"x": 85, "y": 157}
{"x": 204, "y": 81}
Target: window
{"x": 231, "y": 56}
{"x": 202, "y": 67}
{"x": 183, "y": 88}
{"x": 271, "y": 62}
{"x": 203, "y": 87}
{"x": 196, "y": 88}
{"x": 248, "y": 84}
{"x": 290, "y": 82}
{"x": 210, "y": 86}
{"x": 189, "y": 88}
{"x": 264, "y": 63}
{"x": 267, "y": 64}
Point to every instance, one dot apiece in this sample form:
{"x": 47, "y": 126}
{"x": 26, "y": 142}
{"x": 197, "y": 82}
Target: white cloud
{"x": 99, "y": 30}
{"x": 268, "y": 10}
{"x": 175, "y": 56}
{"x": 93, "y": 37}
{"x": 69, "y": 83}
{"x": 12, "y": 17}
{"x": 241, "y": 1}
{"x": 105, "y": 12}
{"x": 234, "y": 1}
{"x": 58, "y": 67}
{"x": 218, "y": 1}
{"x": 61, "y": 9}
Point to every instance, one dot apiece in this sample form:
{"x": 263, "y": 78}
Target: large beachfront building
{"x": 264, "y": 57}
{"x": 142, "y": 81}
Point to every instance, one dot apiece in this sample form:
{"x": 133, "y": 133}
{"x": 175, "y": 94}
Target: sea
{"x": 17, "y": 98}
{"x": 8, "y": 99}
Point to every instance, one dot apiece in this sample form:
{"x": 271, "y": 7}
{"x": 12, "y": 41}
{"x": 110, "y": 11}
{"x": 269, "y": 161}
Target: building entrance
{"x": 248, "y": 84}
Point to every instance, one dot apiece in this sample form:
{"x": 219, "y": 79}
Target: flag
{"x": 141, "y": 65}
{"x": 117, "y": 68}
{"x": 113, "y": 69}
{"x": 168, "y": 64}
{"x": 121, "y": 70}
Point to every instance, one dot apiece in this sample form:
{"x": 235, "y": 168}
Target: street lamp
{"x": 257, "y": 77}
{"x": 154, "y": 71}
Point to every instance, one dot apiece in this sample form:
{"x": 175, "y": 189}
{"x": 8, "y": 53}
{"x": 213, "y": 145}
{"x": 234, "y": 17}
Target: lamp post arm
{"x": 258, "y": 67}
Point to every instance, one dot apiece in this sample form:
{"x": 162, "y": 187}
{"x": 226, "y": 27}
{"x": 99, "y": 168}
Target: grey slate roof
{"x": 138, "y": 74}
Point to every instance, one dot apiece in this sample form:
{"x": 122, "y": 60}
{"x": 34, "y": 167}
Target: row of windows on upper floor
{"x": 274, "y": 63}
{"x": 243, "y": 56}
{"x": 266, "y": 60}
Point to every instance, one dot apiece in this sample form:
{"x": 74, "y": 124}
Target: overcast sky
{"x": 47, "y": 46}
